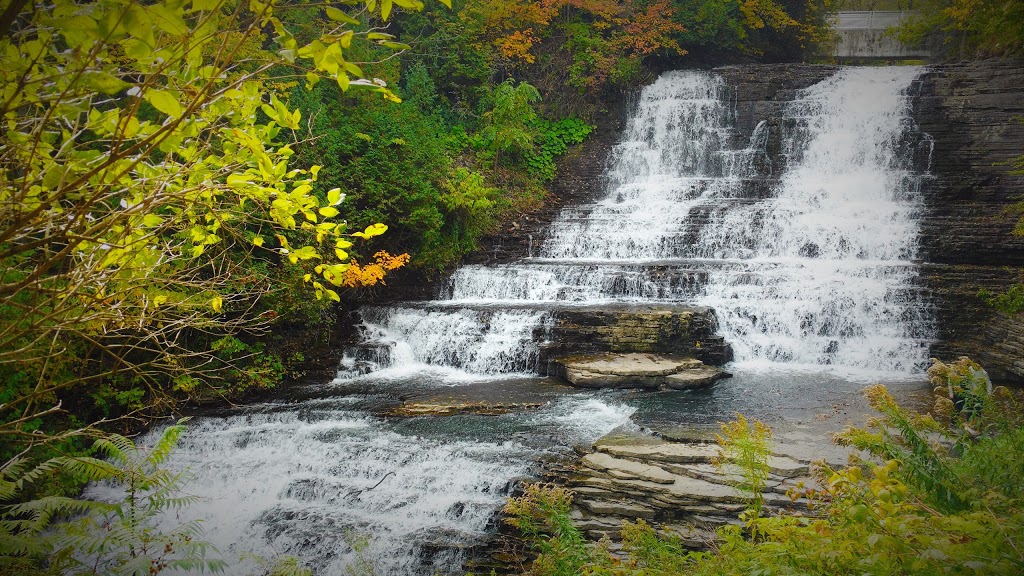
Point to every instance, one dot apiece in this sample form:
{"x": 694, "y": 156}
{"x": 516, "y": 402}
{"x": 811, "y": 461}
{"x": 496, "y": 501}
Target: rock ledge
{"x": 635, "y": 370}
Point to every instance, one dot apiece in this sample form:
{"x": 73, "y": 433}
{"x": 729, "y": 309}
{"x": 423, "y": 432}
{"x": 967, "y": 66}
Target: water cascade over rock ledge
{"x": 762, "y": 218}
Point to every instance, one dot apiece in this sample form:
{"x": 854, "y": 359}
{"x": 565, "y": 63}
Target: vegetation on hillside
{"x": 941, "y": 496}
{"x": 968, "y": 28}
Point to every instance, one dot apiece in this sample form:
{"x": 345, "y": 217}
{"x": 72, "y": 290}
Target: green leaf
{"x": 207, "y": 5}
{"x": 343, "y": 81}
{"x": 304, "y": 253}
{"x": 355, "y": 70}
{"x": 103, "y": 82}
{"x": 164, "y": 102}
{"x": 168, "y": 20}
{"x": 137, "y": 49}
{"x": 371, "y": 231}
{"x": 395, "y": 45}
{"x": 339, "y": 16}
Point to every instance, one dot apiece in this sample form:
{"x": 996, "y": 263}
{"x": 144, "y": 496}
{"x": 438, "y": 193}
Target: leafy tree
{"x": 968, "y": 28}
{"x": 148, "y": 202}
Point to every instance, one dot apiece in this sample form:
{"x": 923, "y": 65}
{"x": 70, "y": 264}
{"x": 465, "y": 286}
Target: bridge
{"x": 862, "y": 36}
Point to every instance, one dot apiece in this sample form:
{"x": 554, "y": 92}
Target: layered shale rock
{"x": 971, "y": 111}
{"x": 673, "y": 485}
{"x": 624, "y": 328}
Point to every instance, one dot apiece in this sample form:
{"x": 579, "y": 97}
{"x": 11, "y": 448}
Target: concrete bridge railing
{"x": 862, "y": 35}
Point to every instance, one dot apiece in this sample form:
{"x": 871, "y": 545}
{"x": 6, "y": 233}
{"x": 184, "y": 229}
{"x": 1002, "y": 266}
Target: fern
{"x": 118, "y": 538}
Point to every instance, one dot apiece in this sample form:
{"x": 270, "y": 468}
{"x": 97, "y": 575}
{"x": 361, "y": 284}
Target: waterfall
{"x": 811, "y": 266}
{"x": 801, "y": 236}
{"x": 825, "y": 272}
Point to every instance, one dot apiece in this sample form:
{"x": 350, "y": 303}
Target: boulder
{"x": 634, "y": 370}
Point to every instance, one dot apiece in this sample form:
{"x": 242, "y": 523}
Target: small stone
{"x": 695, "y": 378}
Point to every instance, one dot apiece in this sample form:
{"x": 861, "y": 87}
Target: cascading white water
{"x": 827, "y": 276}
{"x": 474, "y": 341}
{"x": 348, "y": 493}
{"x": 673, "y": 153}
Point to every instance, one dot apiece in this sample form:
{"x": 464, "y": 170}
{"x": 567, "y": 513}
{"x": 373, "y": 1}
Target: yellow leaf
{"x": 164, "y": 102}
{"x": 372, "y": 230}
{"x": 217, "y": 303}
{"x": 339, "y": 16}
{"x": 328, "y": 211}
{"x": 257, "y": 241}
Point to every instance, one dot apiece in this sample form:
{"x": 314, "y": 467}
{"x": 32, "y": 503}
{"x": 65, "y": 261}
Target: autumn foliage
{"x": 372, "y": 273}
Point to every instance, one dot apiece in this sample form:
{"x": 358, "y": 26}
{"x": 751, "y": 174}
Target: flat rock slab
{"x": 635, "y": 370}
{"x": 694, "y": 378}
{"x": 451, "y": 409}
{"x": 670, "y": 452}
{"x": 621, "y": 468}
{"x": 617, "y": 508}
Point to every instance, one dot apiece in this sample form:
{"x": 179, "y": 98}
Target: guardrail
{"x": 862, "y": 36}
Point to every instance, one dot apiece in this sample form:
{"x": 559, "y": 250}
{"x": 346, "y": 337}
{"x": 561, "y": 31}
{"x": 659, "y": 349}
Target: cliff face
{"x": 972, "y": 112}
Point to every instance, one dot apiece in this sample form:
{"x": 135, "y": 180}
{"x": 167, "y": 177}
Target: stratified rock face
{"x": 634, "y": 370}
{"x": 662, "y": 329}
{"x": 671, "y": 484}
{"x": 972, "y": 113}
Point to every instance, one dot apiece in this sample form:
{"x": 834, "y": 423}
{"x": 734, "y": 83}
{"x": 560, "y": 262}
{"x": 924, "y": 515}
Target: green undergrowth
{"x": 940, "y": 494}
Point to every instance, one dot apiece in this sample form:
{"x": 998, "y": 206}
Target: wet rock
{"x": 660, "y": 329}
{"x": 966, "y": 231}
{"x": 611, "y": 370}
{"x": 450, "y": 409}
{"x": 694, "y": 378}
